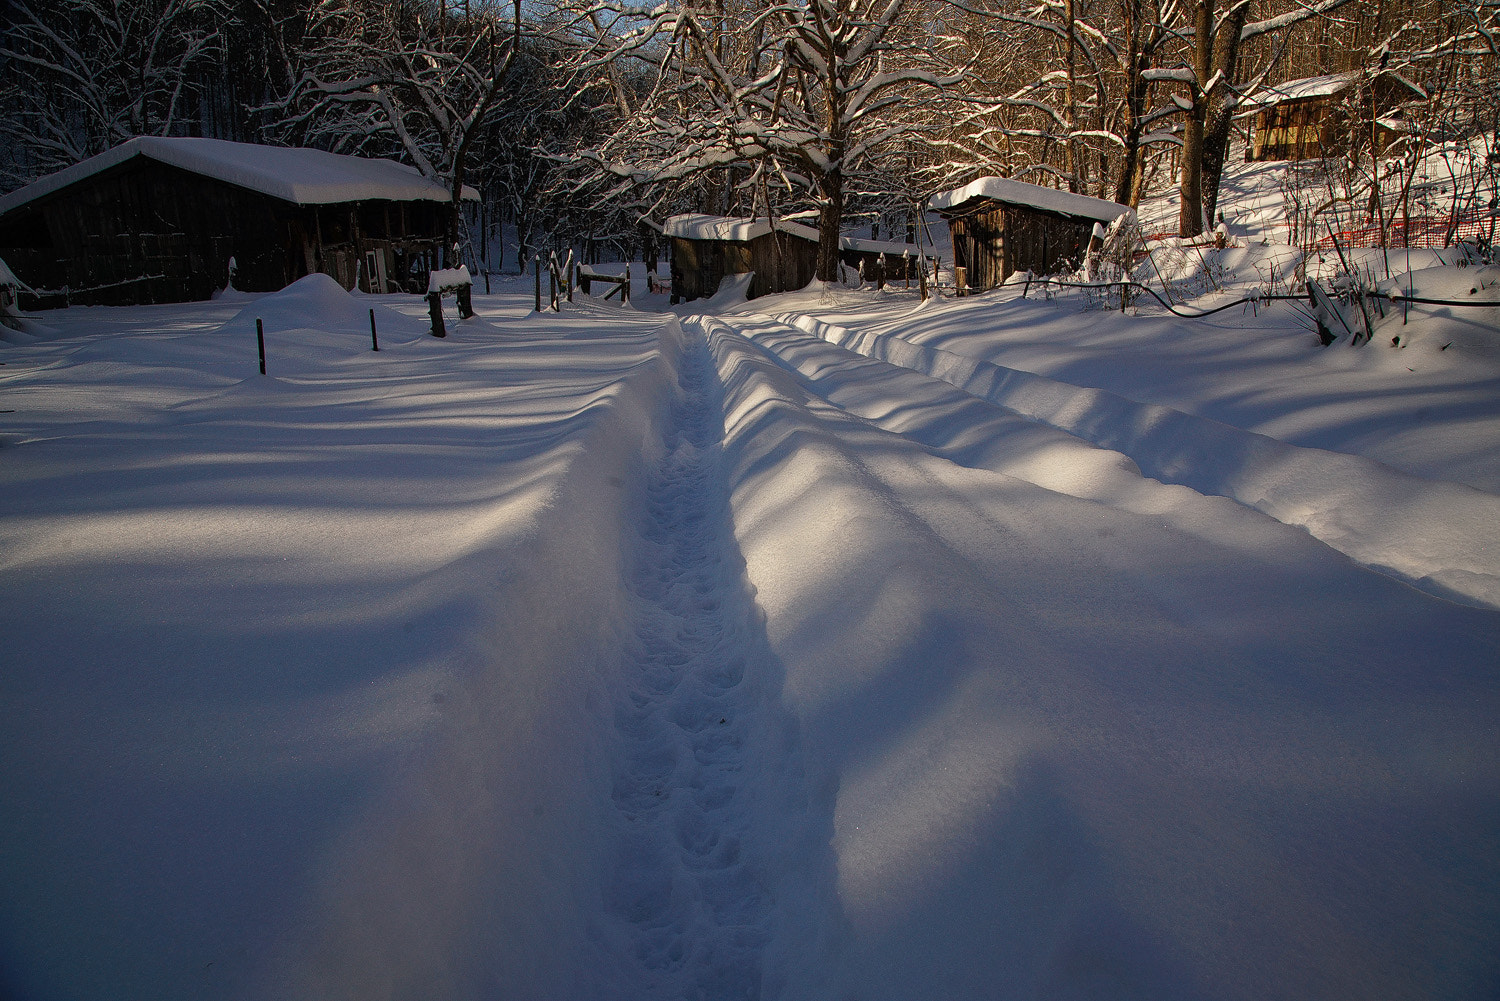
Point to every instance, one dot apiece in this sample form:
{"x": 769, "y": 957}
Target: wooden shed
{"x": 1001, "y": 226}
{"x": 160, "y": 219}
{"x": 880, "y": 261}
{"x": 783, "y": 257}
{"x": 1310, "y": 118}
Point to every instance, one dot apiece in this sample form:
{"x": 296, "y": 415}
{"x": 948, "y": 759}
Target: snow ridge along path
{"x": 1441, "y": 537}
{"x": 710, "y": 806}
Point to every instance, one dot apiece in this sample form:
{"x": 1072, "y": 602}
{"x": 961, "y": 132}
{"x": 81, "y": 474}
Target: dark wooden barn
{"x": 706, "y": 248}
{"x": 1315, "y": 117}
{"x": 1001, "y": 226}
{"x": 160, "y": 220}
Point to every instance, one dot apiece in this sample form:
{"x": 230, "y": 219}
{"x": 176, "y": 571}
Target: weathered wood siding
{"x": 1044, "y": 242}
{"x": 978, "y": 229}
{"x": 149, "y": 232}
{"x": 1296, "y": 130}
{"x": 781, "y": 263}
{"x": 993, "y": 240}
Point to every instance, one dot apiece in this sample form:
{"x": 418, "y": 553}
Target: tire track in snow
{"x": 688, "y": 892}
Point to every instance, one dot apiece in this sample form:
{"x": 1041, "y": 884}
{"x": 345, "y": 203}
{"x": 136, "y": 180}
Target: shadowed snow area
{"x": 599, "y": 654}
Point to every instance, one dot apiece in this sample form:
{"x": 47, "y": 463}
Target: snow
{"x": 1025, "y": 650}
{"x": 1003, "y": 189}
{"x": 299, "y": 176}
{"x": 694, "y": 226}
{"x": 1300, "y": 90}
{"x": 447, "y": 278}
{"x": 886, "y": 247}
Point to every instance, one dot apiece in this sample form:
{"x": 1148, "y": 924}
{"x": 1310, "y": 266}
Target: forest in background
{"x": 578, "y": 119}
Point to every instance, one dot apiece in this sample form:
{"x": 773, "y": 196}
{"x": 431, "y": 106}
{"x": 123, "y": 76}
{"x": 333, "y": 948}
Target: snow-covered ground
{"x": 1023, "y": 650}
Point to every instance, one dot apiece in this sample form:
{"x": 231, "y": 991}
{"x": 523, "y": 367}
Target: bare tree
{"x": 86, "y": 75}
{"x": 410, "y": 75}
{"x": 798, "y": 96}
{"x": 1210, "y": 76}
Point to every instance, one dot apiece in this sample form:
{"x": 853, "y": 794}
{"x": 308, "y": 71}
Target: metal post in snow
{"x": 260, "y": 343}
{"x": 625, "y": 289}
{"x": 536, "y": 269}
{"x": 374, "y": 340}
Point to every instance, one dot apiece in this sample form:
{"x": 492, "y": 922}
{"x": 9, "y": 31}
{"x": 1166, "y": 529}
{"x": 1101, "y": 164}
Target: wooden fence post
{"x": 435, "y": 310}
{"x": 537, "y": 270}
{"x": 260, "y": 343}
{"x": 374, "y": 341}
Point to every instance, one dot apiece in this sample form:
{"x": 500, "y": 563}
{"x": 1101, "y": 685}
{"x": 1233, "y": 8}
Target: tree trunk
{"x": 1190, "y": 191}
{"x": 1221, "y": 107}
{"x": 1190, "y": 210}
{"x": 830, "y": 223}
{"x": 1215, "y": 153}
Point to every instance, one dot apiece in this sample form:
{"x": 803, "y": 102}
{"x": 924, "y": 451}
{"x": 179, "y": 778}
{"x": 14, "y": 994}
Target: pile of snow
{"x": 318, "y": 303}
{"x": 1452, "y": 332}
{"x": 732, "y": 291}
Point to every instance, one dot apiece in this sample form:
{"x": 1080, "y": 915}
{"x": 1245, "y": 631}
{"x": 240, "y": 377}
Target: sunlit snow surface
{"x": 614, "y": 654}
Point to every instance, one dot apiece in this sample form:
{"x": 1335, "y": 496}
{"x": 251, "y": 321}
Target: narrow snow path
{"x": 706, "y": 766}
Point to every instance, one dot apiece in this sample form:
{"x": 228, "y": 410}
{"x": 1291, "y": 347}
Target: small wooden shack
{"x": 1310, "y": 118}
{"x": 160, "y": 219}
{"x": 1001, "y": 226}
{"x": 783, "y": 256}
{"x": 880, "y": 261}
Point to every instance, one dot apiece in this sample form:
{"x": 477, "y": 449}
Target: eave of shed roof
{"x": 298, "y": 176}
{"x": 1013, "y": 192}
{"x": 696, "y": 226}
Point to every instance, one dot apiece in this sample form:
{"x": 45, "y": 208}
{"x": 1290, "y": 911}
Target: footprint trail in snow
{"x": 689, "y": 898}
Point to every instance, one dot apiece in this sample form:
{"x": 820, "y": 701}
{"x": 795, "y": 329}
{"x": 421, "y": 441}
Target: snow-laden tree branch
{"x": 81, "y": 76}
{"x": 810, "y": 93}
{"x": 421, "y": 77}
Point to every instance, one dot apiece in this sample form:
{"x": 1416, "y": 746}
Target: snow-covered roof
{"x": 1012, "y": 192}
{"x": 1301, "y": 90}
{"x": 885, "y": 247}
{"x": 299, "y": 176}
{"x": 7, "y": 276}
{"x": 695, "y": 226}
